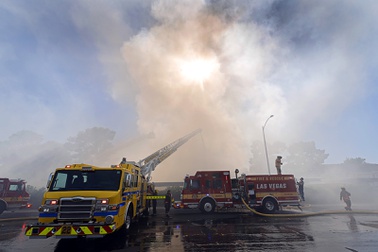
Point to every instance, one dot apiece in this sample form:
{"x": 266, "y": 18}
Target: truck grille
{"x": 77, "y": 208}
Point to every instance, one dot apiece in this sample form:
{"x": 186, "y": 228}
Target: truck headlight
{"x": 51, "y": 205}
{"x": 47, "y": 209}
{"x": 51, "y": 202}
{"x": 102, "y": 205}
{"x": 102, "y": 201}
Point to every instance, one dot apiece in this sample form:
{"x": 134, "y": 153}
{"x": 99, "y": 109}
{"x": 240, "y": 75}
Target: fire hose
{"x": 306, "y": 214}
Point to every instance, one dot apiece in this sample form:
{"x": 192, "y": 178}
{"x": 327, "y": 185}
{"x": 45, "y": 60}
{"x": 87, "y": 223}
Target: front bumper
{"x": 69, "y": 230}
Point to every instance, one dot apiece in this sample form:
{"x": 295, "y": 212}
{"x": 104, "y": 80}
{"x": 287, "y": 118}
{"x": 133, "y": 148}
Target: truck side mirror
{"x": 49, "y": 180}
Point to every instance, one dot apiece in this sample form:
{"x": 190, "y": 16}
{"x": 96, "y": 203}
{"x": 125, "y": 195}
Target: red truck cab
{"x": 207, "y": 190}
{"x": 13, "y": 194}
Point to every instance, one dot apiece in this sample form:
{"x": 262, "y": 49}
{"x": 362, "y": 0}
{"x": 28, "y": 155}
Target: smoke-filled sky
{"x": 170, "y": 67}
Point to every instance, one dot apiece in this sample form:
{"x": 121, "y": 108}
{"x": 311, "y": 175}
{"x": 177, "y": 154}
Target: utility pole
{"x": 266, "y": 149}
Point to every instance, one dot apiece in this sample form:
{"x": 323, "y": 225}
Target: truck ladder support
{"x": 149, "y": 163}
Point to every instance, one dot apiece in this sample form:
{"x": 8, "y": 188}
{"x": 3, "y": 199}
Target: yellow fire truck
{"x": 87, "y": 201}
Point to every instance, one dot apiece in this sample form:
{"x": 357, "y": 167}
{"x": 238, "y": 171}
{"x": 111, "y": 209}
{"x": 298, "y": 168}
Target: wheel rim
{"x": 269, "y": 205}
{"x": 208, "y": 207}
{"x": 127, "y": 220}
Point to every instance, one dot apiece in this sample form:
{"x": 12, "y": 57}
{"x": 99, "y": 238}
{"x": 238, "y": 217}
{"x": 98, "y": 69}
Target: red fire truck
{"x": 13, "y": 194}
{"x": 207, "y": 190}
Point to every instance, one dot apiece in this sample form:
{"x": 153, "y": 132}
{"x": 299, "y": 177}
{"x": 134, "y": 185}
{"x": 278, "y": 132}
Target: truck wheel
{"x": 128, "y": 219}
{"x": 2, "y": 207}
{"x": 269, "y": 205}
{"x": 207, "y": 206}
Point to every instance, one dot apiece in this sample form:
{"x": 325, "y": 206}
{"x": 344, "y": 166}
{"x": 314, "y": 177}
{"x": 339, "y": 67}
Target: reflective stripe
{"x": 106, "y": 229}
{"x": 48, "y": 215}
{"x": 130, "y": 193}
{"x": 59, "y": 231}
{"x": 105, "y": 213}
{"x": 86, "y": 230}
{"x": 46, "y": 231}
{"x": 155, "y": 197}
{"x": 218, "y": 196}
{"x": 276, "y": 194}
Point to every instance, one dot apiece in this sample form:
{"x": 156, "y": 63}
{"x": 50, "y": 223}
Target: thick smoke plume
{"x": 290, "y": 59}
{"x": 166, "y": 68}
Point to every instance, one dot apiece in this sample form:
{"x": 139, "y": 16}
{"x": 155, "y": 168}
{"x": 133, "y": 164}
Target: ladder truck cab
{"x": 208, "y": 190}
{"x": 13, "y": 194}
{"x": 84, "y": 200}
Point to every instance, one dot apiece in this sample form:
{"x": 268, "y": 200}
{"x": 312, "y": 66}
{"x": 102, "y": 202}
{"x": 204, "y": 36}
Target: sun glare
{"x": 198, "y": 70}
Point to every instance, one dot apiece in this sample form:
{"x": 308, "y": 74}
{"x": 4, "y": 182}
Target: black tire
{"x": 269, "y": 205}
{"x": 2, "y": 207}
{"x": 207, "y": 206}
{"x": 128, "y": 220}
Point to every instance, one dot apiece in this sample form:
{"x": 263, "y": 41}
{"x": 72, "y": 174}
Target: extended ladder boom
{"x": 149, "y": 163}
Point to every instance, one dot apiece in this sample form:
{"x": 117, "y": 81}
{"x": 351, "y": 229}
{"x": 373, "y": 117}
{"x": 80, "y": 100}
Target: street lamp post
{"x": 266, "y": 149}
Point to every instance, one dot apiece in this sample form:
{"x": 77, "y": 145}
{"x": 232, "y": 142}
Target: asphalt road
{"x": 189, "y": 230}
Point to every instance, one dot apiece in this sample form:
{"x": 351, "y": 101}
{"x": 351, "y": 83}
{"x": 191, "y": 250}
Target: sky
{"x": 170, "y": 67}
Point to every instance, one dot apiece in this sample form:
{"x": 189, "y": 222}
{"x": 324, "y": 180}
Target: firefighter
{"x": 301, "y": 188}
{"x": 251, "y": 193}
{"x": 154, "y": 203}
{"x": 123, "y": 161}
{"x": 167, "y": 203}
{"x": 278, "y": 164}
{"x": 345, "y": 195}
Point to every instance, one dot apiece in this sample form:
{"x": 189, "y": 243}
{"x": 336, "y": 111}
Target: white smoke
{"x": 223, "y": 66}
{"x": 296, "y": 62}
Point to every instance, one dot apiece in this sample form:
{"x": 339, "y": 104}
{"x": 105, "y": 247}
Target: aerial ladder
{"x": 149, "y": 163}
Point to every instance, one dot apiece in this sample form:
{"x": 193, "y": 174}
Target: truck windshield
{"x": 74, "y": 180}
{"x": 15, "y": 187}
